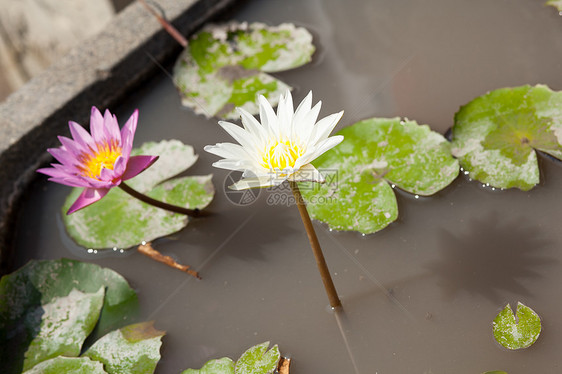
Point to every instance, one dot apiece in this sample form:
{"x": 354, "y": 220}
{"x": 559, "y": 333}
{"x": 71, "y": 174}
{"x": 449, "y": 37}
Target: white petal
{"x": 260, "y": 182}
{"x": 305, "y": 127}
{"x": 326, "y": 145}
{"x": 324, "y": 127}
{"x": 232, "y": 164}
{"x": 307, "y": 173}
{"x": 267, "y": 117}
{"x": 285, "y": 113}
{"x": 252, "y": 125}
{"x": 243, "y": 137}
{"x": 303, "y": 108}
{"x": 228, "y": 150}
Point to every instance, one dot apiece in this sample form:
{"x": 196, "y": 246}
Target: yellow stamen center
{"x": 281, "y": 154}
{"x": 104, "y": 157}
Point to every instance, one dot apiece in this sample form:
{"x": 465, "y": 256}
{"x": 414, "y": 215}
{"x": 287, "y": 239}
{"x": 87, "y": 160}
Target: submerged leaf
{"x": 133, "y": 349}
{"x": 25, "y": 293}
{"x": 258, "y": 360}
{"x": 517, "y": 333}
{"x": 68, "y": 365}
{"x": 225, "y": 66}
{"x": 555, "y": 3}
{"x": 495, "y": 136}
{"x": 219, "y": 366}
{"x": 375, "y": 153}
{"x": 121, "y": 221}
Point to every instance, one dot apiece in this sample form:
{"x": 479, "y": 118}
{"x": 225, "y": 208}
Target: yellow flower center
{"x": 103, "y": 157}
{"x": 281, "y": 154}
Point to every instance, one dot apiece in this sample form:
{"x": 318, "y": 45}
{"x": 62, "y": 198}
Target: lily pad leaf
{"x": 495, "y": 136}
{"x": 62, "y": 326}
{"x": 376, "y": 155}
{"x": 517, "y": 333}
{"x": 555, "y": 3}
{"x": 37, "y": 290}
{"x": 226, "y": 66}
{"x": 219, "y": 366}
{"x": 258, "y": 360}
{"x": 121, "y": 221}
{"x": 134, "y": 349}
{"x": 68, "y": 365}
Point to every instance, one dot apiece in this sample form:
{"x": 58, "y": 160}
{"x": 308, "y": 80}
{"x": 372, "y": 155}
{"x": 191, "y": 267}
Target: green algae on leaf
{"x": 256, "y": 360}
{"x": 134, "y": 349}
{"x": 74, "y": 365}
{"x": 219, "y": 366}
{"x": 226, "y": 66}
{"x": 35, "y": 291}
{"x": 496, "y": 136}
{"x": 517, "y": 333}
{"x": 121, "y": 221}
{"x": 63, "y": 326}
{"x": 375, "y": 154}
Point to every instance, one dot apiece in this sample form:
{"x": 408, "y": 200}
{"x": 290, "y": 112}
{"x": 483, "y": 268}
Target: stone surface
{"x": 100, "y": 71}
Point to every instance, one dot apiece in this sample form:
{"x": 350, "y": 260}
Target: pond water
{"x": 419, "y": 296}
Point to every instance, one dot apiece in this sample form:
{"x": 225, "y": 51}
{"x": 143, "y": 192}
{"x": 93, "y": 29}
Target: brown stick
{"x": 159, "y": 204}
{"x": 174, "y": 33}
{"x": 284, "y": 365}
{"x": 320, "y": 261}
{"x": 147, "y": 250}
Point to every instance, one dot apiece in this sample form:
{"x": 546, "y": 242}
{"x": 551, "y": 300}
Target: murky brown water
{"x": 420, "y": 295}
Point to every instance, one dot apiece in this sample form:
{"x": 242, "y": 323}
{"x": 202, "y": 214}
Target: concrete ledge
{"x": 98, "y": 72}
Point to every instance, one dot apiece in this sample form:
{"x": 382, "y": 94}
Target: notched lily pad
{"x": 121, "y": 221}
{"x": 517, "y": 332}
{"x": 226, "y": 66}
{"x": 133, "y": 349}
{"x": 37, "y": 318}
{"x": 258, "y": 360}
{"x": 73, "y": 365}
{"x": 375, "y": 154}
{"x": 219, "y": 366}
{"x": 496, "y": 136}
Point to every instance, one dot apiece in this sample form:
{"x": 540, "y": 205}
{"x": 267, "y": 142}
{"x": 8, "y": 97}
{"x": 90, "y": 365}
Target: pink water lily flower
{"x": 97, "y": 162}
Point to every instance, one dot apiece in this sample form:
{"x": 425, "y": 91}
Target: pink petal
{"x": 120, "y": 166}
{"x": 81, "y": 136}
{"x": 96, "y": 125}
{"x": 111, "y": 127}
{"x": 136, "y": 165}
{"x": 62, "y": 155}
{"x": 128, "y": 133}
{"x": 72, "y": 147}
{"x": 107, "y": 175}
{"x": 87, "y": 197}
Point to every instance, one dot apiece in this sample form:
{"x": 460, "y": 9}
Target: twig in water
{"x": 147, "y": 250}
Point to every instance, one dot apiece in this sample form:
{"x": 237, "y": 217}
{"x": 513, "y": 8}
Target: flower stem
{"x": 159, "y": 204}
{"x": 320, "y": 261}
{"x": 174, "y": 33}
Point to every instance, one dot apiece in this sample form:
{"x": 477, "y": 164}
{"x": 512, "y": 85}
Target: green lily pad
{"x": 225, "y": 66}
{"x": 38, "y": 288}
{"x": 134, "y": 349}
{"x": 219, "y": 366}
{"x": 68, "y": 365}
{"x": 63, "y": 326}
{"x": 121, "y": 221}
{"x": 555, "y": 3}
{"x": 495, "y": 136}
{"x": 376, "y": 155}
{"x": 258, "y": 360}
{"x": 517, "y": 333}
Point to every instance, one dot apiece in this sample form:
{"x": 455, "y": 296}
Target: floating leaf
{"x": 517, "y": 333}
{"x": 133, "y": 349}
{"x": 68, "y": 365}
{"x": 555, "y": 3}
{"x": 219, "y": 366}
{"x": 121, "y": 221}
{"x": 24, "y": 293}
{"x": 258, "y": 360}
{"x": 376, "y": 152}
{"x": 62, "y": 326}
{"x": 225, "y": 66}
{"x": 495, "y": 136}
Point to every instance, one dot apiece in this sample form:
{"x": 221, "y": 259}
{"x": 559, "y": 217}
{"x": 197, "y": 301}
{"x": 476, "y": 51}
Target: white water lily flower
{"x": 279, "y": 148}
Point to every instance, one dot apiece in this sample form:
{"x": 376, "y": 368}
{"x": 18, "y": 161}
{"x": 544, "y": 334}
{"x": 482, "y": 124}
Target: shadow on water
{"x": 492, "y": 257}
